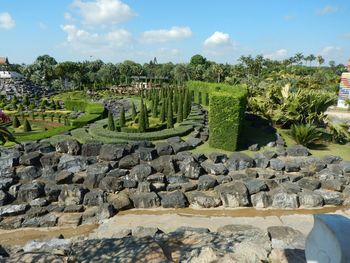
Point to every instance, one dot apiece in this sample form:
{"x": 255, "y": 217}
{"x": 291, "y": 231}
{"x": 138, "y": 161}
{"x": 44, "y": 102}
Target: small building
{"x": 5, "y": 72}
{"x": 344, "y": 89}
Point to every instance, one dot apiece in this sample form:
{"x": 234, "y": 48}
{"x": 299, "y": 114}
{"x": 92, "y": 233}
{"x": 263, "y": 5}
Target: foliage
{"x": 6, "y": 135}
{"x": 34, "y": 136}
{"x": 133, "y": 111}
{"x": 306, "y": 134}
{"x": 339, "y": 132}
{"x": 142, "y": 120}
{"x": 111, "y": 125}
{"x": 122, "y": 118}
{"x": 26, "y": 126}
{"x": 170, "y": 115}
{"x": 15, "y": 122}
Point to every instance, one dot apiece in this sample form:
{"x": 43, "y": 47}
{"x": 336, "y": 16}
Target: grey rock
{"x": 334, "y": 185}
{"x": 309, "y": 184}
{"x": 297, "y": 150}
{"x": 164, "y": 164}
{"x": 50, "y": 159}
{"x": 111, "y": 152}
{"x": 71, "y": 195}
{"x": 12, "y": 210}
{"x": 284, "y": 237}
{"x": 277, "y": 164}
{"x": 180, "y": 146}
{"x": 310, "y": 199}
{"x": 64, "y": 177}
{"x": 194, "y": 142}
{"x": 95, "y": 197}
{"x": 145, "y": 200}
{"x": 5, "y": 198}
{"x": 260, "y": 200}
{"x": 71, "y": 147}
{"x": 331, "y": 197}
{"x": 71, "y": 163}
{"x": 141, "y": 231}
{"x": 216, "y": 157}
{"x": 174, "y": 199}
{"x": 206, "y": 182}
{"x": 129, "y": 161}
{"x": 32, "y": 158}
{"x": 28, "y": 173}
{"x": 119, "y": 201}
{"x": 29, "y": 192}
{"x": 111, "y": 184}
{"x": 164, "y": 148}
{"x": 117, "y": 172}
{"x": 214, "y": 168}
{"x": 233, "y": 194}
{"x": 282, "y": 199}
{"x": 239, "y": 161}
{"x": 91, "y": 149}
{"x": 255, "y": 185}
{"x": 140, "y": 172}
{"x": 254, "y": 147}
{"x": 192, "y": 170}
{"x": 203, "y": 199}
{"x": 6, "y": 183}
{"x": 147, "y": 154}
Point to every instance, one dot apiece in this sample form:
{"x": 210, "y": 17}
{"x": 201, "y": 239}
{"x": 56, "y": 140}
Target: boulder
{"x": 70, "y": 220}
{"x": 206, "y": 182}
{"x": 6, "y": 163}
{"x": 64, "y": 177}
{"x": 216, "y": 157}
{"x": 333, "y": 185}
{"x": 277, "y": 164}
{"x": 255, "y": 185}
{"x": 147, "y": 154}
{"x": 233, "y": 194}
{"x": 285, "y": 237}
{"x": 260, "y": 200}
{"x": 71, "y": 147}
{"x": 95, "y": 197}
{"x": 28, "y": 173}
{"x": 50, "y": 160}
{"x": 145, "y": 200}
{"x": 331, "y": 197}
{"x": 140, "y": 172}
{"x": 5, "y": 198}
{"x": 30, "y": 191}
{"x": 309, "y": 184}
{"x": 203, "y": 199}
{"x": 239, "y": 161}
{"x": 194, "y": 142}
{"x": 141, "y": 231}
{"x": 164, "y": 164}
{"x": 111, "y": 184}
{"x": 297, "y": 150}
{"x": 112, "y": 152}
{"x": 164, "y": 148}
{"x": 214, "y": 168}
{"x": 71, "y": 163}
{"x": 310, "y": 199}
{"x": 71, "y": 195}
{"x": 281, "y": 199}
{"x": 91, "y": 149}
{"x": 32, "y": 158}
{"x": 117, "y": 172}
{"x": 192, "y": 170}
{"x": 175, "y": 199}
{"x": 180, "y": 146}
{"x": 119, "y": 201}
{"x": 129, "y": 161}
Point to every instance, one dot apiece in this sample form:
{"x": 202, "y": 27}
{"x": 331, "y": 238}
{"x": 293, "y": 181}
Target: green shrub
{"x": 111, "y": 125}
{"x": 170, "y": 115}
{"x": 306, "y": 134}
{"x": 15, "y": 122}
{"x": 26, "y": 126}
{"x": 42, "y": 135}
{"x": 227, "y": 105}
{"x": 133, "y": 111}
{"x": 122, "y": 118}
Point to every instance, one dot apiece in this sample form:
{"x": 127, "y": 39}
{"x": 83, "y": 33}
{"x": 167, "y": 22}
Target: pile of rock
{"x": 230, "y": 243}
{"x": 70, "y": 184}
{"x": 19, "y": 87}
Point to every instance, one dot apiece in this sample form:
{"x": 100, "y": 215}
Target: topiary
{"x": 170, "y": 115}
{"x": 26, "y": 126}
{"x": 142, "y": 120}
{"x": 162, "y": 111}
{"x": 15, "y": 122}
{"x": 133, "y": 111}
{"x": 111, "y": 125}
{"x": 180, "y": 116}
{"x": 122, "y": 118}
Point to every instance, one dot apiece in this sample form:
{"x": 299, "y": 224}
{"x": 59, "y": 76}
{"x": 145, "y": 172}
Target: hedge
{"x": 34, "y": 136}
{"x": 93, "y": 111}
{"x": 227, "y": 105}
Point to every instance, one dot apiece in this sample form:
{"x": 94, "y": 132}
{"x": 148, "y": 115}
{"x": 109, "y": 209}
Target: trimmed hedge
{"x": 227, "y": 105}
{"x": 93, "y": 111}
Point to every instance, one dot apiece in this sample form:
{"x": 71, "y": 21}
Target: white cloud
{"x": 166, "y": 35}
{"x": 86, "y": 42}
{"x": 68, "y": 16}
{"x": 278, "y": 54}
{"x": 103, "y": 12}
{"x": 6, "y": 21}
{"x": 330, "y": 52}
{"x": 328, "y": 9}
{"x": 219, "y": 40}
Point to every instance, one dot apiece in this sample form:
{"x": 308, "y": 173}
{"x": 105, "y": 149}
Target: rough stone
{"x": 175, "y": 199}
{"x": 233, "y": 194}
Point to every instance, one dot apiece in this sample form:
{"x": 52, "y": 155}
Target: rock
{"x": 98, "y": 169}
{"x": 112, "y": 152}
{"x": 239, "y": 161}
{"x": 95, "y": 197}
{"x": 194, "y": 142}
{"x": 331, "y": 159}
{"x": 11, "y": 222}
{"x": 284, "y": 200}
{"x": 71, "y": 147}
{"x": 260, "y": 200}
{"x": 129, "y": 161}
{"x": 287, "y": 256}
{"x": 50, "y": 160}
{"x": 345, "y": 165}
{"x": 297, "y": 150}
{"x": 310, "y": 199}
{"x": 261, "y": 160}
{"x": 64, "y": 177}
{"x": 175, "y": 139}
{"x": 140, "y": 172}
{"x": 290, "y": 188}
{"x": 175, "y": 199}
{"x": 164, "y": 164}
{"x": 164, "y": 148}
{"x": 218, "y": 157}
{"x": 209, "y": 254}
{"x": 71, "y": 195}
{"x": 28, "y": 173}
{"x": 91, "y": 149}
{"x": 43, "y": 201}
{"x": 12, "y": 210}
{"x": 6, "y": 163}
{"x": 120, "y": 201}
{"x": 309, "y": 184}
{"x": 37, "y": 257}
{"x": 70, "y": 220}
{"x": 29, "y": 192}
{"x": 111, "y": 184}
{"x": 292, "y": 165}
{"x": 203, "y": 200}
{"x": 214, "y": 168}
{"x": 147, "y": 154}
{"x": 141, "y": 231}
{"x": 255, "y": 185}
{"x": 74, "y": 209}
{"x": 71, "y": 163}
{"x": 6, "y": 183}
{"x": 117, "y": 172}
{"x": 284, "y": 237}
{"x": 334, "y": 185}
{"x": 145, "y": 200}
{"x": 233, "y": 194}
{"x": 144, "y": 249}
{"x": 192, "y": 170}
{"x": 254, "y": 147}
{"x": 180, "y": 146}
{"x": 206, "y": 182}
{"x": 277, "y": 164}
{"x": 5, "y": 198}
{"x": 330, "y": 197}
{"x": 32, "y": 158}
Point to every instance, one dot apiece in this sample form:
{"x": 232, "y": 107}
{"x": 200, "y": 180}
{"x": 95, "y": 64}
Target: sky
{"x": 173, "y": 30}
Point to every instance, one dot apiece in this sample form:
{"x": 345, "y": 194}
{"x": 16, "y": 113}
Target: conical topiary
{"x": 15, "y": 122}
{"x": 122, "y": 118}
{"x": 142, "y": 121}
{"x": 170, "y": 115}
{"x": 26, "y": 126}
{"x": 133, "y": 111}
{"x": 111, "y": 125}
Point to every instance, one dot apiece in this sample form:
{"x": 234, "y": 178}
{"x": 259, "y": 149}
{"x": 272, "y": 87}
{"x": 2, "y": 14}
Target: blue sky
{"x": 173, "y": 30}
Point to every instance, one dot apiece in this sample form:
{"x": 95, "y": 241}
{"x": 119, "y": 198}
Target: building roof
{"x": 4, "y": 61}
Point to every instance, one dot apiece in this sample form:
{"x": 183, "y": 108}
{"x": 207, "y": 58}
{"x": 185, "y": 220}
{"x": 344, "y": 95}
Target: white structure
{"x": 10, "y": 75}
{"x": 344, "y": 89}
{"x": 329, "y": 240}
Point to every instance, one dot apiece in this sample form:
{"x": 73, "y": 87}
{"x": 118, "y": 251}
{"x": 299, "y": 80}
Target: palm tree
{"x": 320, "y": 60}
{"x": 6, "y": 135}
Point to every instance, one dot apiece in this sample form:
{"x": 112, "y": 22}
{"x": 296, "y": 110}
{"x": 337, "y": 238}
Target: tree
{"x": 111, "y": 125}
{"x": 6, "y": 135}
{"x": 15, "y": 122}
{"x": 146, "y": 117}
{"x": 142, "y": 120}
{"x": 162, "y": 111}
{"x": 198, "y": 60}
{"x": 185, "y": 105}
{"x": 170, "y": 115}
{"x": 26, "y": 100}
{"x": 122, "y": 118}
{"x": 320, "y": 60}
{"x": 26, "y": 126}
{"x": 133, "y": 111}
{"x": 180, "y": 116}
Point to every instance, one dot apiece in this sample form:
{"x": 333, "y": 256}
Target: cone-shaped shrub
{"x": 170, "y": 115}
{"x": 111, "y": 125}
{"x": 185, "y": 105}
{"x": 122, "y": 118}
{"x": 162, "y": 111}
{"x": 15, "y": 122}
{"x": 180, "y": 116}
{"x": 142, "y": 121}
{"x": 133, "y": 111}
{"x": 26, "y": 126}
{"x": 146, "y": 117}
